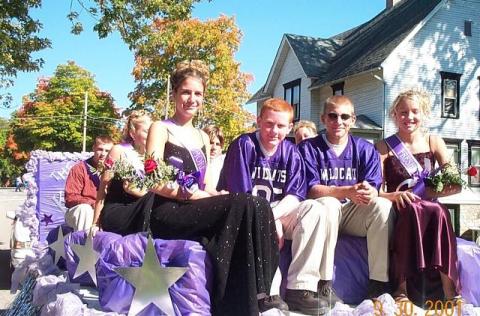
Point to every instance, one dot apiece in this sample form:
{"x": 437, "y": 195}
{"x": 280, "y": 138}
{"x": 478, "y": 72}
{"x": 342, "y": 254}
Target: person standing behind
{"x": 263, "y": 164}
{"x": 344, "y": 174}
{"x": 82, "y": 184}
{"x": 424, "y": 239}
{"x": 304, "y": 129}
{"x": 216, "y": 157}
{"x": 18, "y": 184}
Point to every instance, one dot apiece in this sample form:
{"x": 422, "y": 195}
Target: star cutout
{"x": 151, "y": 282}
{"x": 47, "y": 219}
{"x": 88, "y": 257}
{"x": 59, "y": 245}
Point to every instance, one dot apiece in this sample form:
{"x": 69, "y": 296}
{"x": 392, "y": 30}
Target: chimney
{"x": 391, "y": 3}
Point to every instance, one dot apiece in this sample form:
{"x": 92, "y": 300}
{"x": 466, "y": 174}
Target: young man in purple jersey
{"x": 263, "y": 164}
{"x": 344, "y": 174}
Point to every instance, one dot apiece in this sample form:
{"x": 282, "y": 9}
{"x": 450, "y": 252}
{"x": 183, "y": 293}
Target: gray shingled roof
{"x": 314, "y": 54}
{"x": 362, "y": 48}
{"x": 259, "y": 95}
{"x": 370, "y": 44}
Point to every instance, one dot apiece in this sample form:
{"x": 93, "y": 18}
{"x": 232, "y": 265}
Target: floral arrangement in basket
{"x": 448, "y": 174}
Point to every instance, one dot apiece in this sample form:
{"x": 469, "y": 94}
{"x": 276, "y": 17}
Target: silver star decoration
{"x": 59, "y": 245}
{"x": 88, "y": 257}
{"x": 151, "y": 282}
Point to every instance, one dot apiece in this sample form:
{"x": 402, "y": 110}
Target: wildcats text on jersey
{"x": 338, "y": 173}
{"x": 265, "y": 173}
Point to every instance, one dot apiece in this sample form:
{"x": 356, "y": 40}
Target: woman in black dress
{"x": 120, "y": 206}
{"x": 237, "y": 230}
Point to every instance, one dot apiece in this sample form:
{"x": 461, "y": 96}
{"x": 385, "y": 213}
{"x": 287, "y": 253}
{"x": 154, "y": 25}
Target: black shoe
{"x": 269, "y": 302}
{"x": 327, "y": 293}
{"x": 305, "y": 302}
{"x": 376, "y": 288}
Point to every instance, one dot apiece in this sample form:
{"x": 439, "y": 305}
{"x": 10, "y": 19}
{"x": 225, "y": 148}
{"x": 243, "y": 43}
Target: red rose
{"x": 472, "y": 171}
{"x": 108, "y": 163}
{"x": 149, "y": 166}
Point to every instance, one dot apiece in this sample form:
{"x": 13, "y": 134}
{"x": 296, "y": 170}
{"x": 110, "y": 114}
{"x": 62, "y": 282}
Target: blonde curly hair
{"x": 135, "y": 118}
{"x": 193, "y": 68}
{"x": 418, "y": 96}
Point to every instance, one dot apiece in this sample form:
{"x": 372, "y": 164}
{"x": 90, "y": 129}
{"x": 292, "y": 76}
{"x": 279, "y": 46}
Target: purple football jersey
{"x": 359, "y": 162}
{"x": 247, "y": 169}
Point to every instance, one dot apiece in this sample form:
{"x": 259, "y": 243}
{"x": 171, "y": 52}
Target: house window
{"x": 291, "y": 94}
{"x": 453, "y": 149}
{"x": 337, "y": 88}
{"x": 450, "y": 94}
{"x": 468, "y": 28}
{"x": 474, "y": 160}
{"x": 454, "y": 210}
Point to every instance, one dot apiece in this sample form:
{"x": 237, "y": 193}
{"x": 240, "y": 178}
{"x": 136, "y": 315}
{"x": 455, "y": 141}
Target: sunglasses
{"x": 334, "y": 116}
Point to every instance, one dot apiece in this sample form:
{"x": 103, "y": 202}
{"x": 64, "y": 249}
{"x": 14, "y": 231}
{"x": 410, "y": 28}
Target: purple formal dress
{"x": 424, "y": 240}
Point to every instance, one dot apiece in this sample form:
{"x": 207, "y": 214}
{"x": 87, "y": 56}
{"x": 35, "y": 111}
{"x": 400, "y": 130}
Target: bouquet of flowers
{"x": 448, "y": 174}
{"x": 121, "y": 169}
{"x": 156, "y": 172}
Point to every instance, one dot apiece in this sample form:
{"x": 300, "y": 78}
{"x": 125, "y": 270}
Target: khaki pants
{"x": 374, "y": 221}
{"x": 79, "y": 217}
{"x": 313, "y": 232}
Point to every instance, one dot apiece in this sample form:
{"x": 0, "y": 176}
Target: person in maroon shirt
{"x": 82, "y": 184}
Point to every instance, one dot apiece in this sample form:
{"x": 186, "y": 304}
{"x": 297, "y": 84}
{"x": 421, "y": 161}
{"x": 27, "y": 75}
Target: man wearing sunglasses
{"x": 344, "y": 175}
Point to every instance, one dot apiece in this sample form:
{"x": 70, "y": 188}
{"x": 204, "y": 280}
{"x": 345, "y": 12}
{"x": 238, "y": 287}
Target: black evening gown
{"x": 238, "y": 233}
{"x": 123, "y": 213}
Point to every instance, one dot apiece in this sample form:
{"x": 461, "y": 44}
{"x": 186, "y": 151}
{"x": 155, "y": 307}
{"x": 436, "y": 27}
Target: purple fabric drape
{"x": 350, "y": 273}
{"x": 469, "y": 270}
{"x": 101, "y": 241}
{"x": 189, "y": 294}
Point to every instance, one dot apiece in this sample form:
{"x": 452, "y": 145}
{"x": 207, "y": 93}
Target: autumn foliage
{"x": 51, "y": 117}
{"x": 213, "y": 41}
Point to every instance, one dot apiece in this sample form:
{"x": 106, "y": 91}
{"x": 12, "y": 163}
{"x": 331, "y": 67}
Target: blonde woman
{"x": 120, "y": 206}
{"x": 424, "y": 240}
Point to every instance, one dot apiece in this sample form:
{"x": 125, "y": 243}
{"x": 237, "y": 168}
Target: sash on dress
{"x": 93, "y": 173}
{"x": 197, "y": 154}
{"x": 411, "y": 165}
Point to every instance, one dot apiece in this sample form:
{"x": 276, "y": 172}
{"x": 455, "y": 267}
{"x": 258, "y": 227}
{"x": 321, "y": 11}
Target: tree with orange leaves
{"x": 213, "y": 41}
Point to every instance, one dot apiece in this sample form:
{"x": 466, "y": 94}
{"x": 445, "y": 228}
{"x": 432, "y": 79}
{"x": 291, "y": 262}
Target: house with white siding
{"x": 431, "y": 44}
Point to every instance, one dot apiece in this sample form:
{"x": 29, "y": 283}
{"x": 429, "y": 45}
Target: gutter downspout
{"x": 384, "y": 115}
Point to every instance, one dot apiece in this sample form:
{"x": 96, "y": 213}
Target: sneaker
{"x": 327, "y": 293}
{"x": 375, "y": 288}
{"x": 269, "y": 302}
{"x": 305, "y": 302}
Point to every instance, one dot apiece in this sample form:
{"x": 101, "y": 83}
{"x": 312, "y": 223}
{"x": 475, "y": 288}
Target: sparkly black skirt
{"x": 238, "y": 233}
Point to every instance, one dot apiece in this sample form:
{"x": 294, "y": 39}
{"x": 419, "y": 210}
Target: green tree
{"x": 19, "y": 39}
{"x": 215, "y": 42}
{"x": 19, "y": 31}
{"x": 131, "y": 18}
{"x": 51, "y": 118}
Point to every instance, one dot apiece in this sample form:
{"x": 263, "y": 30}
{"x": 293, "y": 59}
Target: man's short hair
{"x": 277, "y": 105}
{"x": 336, "y": 100}
{"x": 106, "y": 139}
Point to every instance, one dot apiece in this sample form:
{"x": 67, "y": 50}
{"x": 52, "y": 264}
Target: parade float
{"x": 60, "y": 272}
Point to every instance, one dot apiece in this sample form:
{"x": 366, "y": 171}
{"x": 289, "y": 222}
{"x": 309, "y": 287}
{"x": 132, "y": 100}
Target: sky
{"x": 262, "y": 22}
